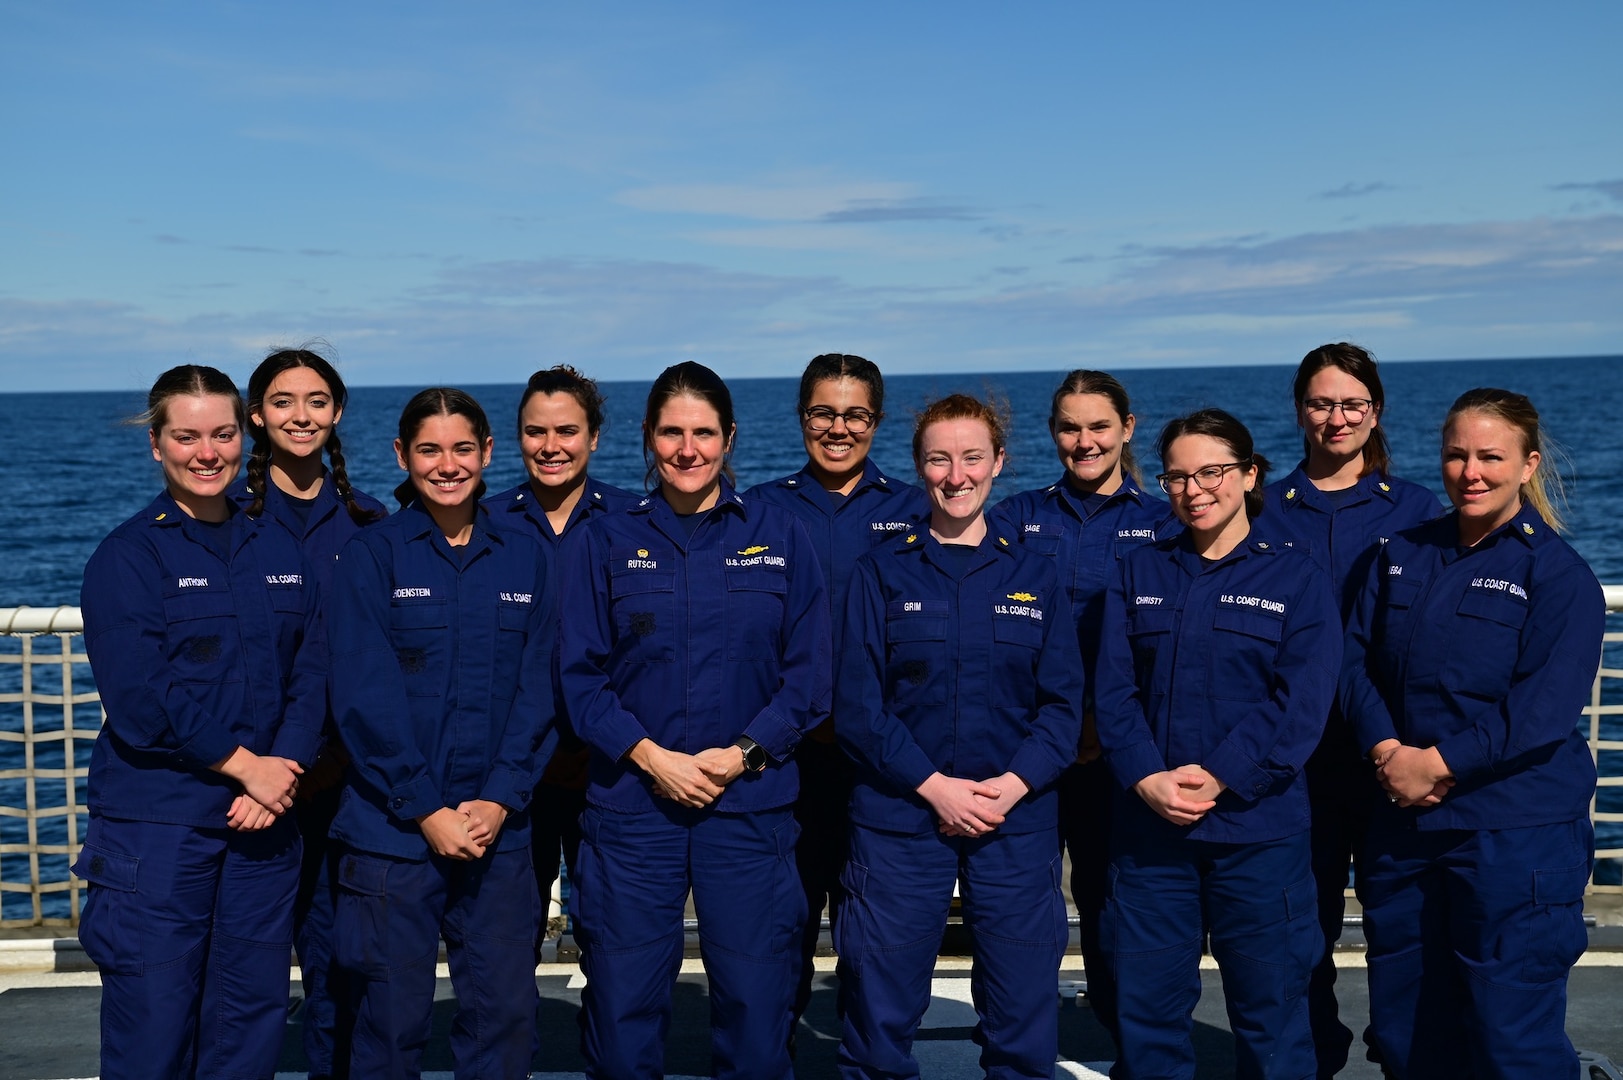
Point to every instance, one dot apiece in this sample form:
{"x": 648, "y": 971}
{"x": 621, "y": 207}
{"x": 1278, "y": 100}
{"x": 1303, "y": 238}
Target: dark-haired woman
{"x": 295, "y": 400}
{"x": 1087, "y": 521}
{"x": 958, "y": 696}
{"x": 694, "y": 659}
{"x": 1337, "y": 505}
{"x": 559, "y": 418}
{"x": 1216, "y": 671}
{"x": 203, "y": 635}
{"x": 1469, "y": 660}
{"x": 442, "y": 636}
{"x": 847, "y": 506}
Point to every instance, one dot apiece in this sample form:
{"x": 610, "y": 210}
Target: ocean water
{"x": 78, "y": 469}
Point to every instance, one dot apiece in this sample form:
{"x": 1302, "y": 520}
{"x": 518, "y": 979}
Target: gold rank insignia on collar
{"x": 1291, "y": 494}
{"x": 1527, "y": 527}
{"x": 911, "y": 538}
{"x": 1384, "y": 486}
{"x": 1004, "y": 540}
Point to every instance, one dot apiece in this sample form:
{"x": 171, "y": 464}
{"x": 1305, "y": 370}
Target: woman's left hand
{"x": 485, "y": 820}
{"x": 1011, "y": 789}
{"x": 1415, "y": 777}
{"x": 246, "y": 815}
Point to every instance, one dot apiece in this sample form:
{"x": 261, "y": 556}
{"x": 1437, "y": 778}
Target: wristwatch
{"x": 754, "y": 756}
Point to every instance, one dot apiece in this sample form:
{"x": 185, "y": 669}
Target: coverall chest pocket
{"x": 1016, "y": 642}
{"x": 1245, "y": 650}
{"x": 421, "y": 635}
{"x": 512, "y": 632}
{"x": 203, "y": 637}
{"x": 644, "y": 610}
{"x": 916, "y": 652}
{"x": 1392, "y": 618}
{"x": 1046, "y": 540}
{"x": 755, "y": 603}
{"x": 1149, "y": 633}
{"x": 1484, "y": 642}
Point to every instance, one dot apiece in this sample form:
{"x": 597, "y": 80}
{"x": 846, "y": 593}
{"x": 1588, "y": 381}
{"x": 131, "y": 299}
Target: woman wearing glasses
{"x": 1337, "y": 506}
{"x": 847, "y": 506}
{"x": 1215, "y": 674}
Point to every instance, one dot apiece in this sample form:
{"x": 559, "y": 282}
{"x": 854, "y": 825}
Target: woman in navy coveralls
{"x": 847, "y": 506}
{"x": 1216, "y": 671}
{"x": 1338, "y": 505}
{"x": 559, "y": 418}
{"x": 1469, "y": 660}
{"x": 295, "y": 400}
{"x": 442, "y": 639}
{"x": 694, "y": 658}
{"x": 202, "y": 629}
{"x": 958, "y": 697}
{"x": 1087, "y": 521}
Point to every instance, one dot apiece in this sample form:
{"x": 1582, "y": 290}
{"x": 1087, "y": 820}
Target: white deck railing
{"x": 50, "y": 708}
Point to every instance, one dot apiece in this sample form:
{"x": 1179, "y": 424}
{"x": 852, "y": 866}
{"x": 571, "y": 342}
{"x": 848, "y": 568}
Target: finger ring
{"x": 1393, "y": 798}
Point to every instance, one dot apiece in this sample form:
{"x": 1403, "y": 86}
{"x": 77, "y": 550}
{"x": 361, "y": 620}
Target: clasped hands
{"x": 463, "y": 832}
{"x": 268, "y": 786}
{"x": 692, "y": 780}
{"x": 1182, "y": 795}
{"x": 1411, "y": 776}
{"x": 971, "y": 807}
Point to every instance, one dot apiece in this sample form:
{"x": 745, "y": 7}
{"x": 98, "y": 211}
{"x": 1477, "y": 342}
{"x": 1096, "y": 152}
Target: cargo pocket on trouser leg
{"x": 361, "y": 919}
{"x": 110, "y": 925}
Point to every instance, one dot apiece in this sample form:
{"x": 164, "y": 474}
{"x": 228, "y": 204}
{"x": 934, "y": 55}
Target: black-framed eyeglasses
{"x": 1353, "y": 410}
{"x": 821, "y": 418}
{"x": 1208, "y": 479}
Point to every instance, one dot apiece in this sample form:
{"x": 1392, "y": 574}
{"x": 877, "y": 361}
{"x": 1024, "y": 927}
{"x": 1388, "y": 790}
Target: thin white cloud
{"x": 801, "y": 202}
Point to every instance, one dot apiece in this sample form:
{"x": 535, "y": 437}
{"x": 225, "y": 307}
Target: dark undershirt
{"x": 957, "y": 557}
{"x": 690, "y": 522}
{"x": 217, "y": 535}
{"x": 301, "y": 509}
{"x": 1340, "y": 498}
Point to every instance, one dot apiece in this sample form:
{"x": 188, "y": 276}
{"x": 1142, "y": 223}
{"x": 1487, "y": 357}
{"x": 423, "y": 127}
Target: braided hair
{"x": 259, "y": 460}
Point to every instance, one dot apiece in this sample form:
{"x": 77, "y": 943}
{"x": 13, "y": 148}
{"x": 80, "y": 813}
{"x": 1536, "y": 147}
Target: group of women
{"x": 369, "y": 733}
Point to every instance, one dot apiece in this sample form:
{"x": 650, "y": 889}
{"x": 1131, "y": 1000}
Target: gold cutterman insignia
{"x": 755, "y": 549}
{"x": 1023, "y": 597}
{"x": 642, "y": 553}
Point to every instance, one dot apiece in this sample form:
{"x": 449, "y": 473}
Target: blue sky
{"x": 463, "y": 193}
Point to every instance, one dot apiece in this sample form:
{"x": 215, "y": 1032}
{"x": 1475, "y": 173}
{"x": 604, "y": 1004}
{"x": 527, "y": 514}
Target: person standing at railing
{"x": 442, "y": 626}
{"x": 1216, "y": 670}
{"x": 694, "y": 657}
{"x": 559, "y": 418}
{"x": 959, "y": 696}
{"x": 203, "y": 631}
{"x": 295, "y": 401}
{"x": 1469, "y": 660}
{"x": 848, "y": 505}
{"x": 1337, "y": 505}
{"x": 1087, "y": 522}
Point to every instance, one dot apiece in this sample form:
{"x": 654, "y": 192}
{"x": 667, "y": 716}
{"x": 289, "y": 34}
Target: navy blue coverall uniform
{"x": 197, "y": 649}
{"x": 842, "y": 528}
{"x": 1342, "y": 531}
{"x": 1229, "y": 664}
{"x": 322, "y": 526}
{"x": 691, "y": 640}
{"x": 443, "y": 692}
{"x": 1474, "y": 907}
{"x": 560, "y": 798}
{"x": 967, "y": 667}
{"x": 1087, "y": 538}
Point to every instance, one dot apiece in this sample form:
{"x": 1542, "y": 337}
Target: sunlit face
{"x": 297, "y": 412}
{"x": 958, "y": 464}
{"x": 839, "y": 452}
{"x": 555, "y": 440}
{"x": 690, "y": 449}
{"x": 445, "y": 460}
{"x": 1216, "y": 513}
{"x": 1334, "y": 435}
{"x": 1484, "y": 467}
{"x": 1089, "y": 435}
{"x": 199, "y": 447}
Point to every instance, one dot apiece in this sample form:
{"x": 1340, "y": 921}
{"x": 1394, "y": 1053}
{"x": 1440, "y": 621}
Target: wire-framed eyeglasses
{"x": 821, "y": 418}
{"x": 1353, "y": 410}
{"x": 1208, "y": 479}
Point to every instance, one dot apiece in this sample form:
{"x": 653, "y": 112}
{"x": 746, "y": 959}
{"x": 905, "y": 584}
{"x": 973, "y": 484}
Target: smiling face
{"x": 1215, "y": 517}
{"x": 690, "y": 450}
{"x": 835, "y": 456}
{"x": 445, "y": 461}
{"x": 200, "y": 449}
{"x": 1089, "y": 435}
{"x": 1484, "y": 468}
{"x": 297, "y": 413}
{"x": 1332, "y": 437}
{"x": 555, "y": 440}
{"x": 957, "y": 464}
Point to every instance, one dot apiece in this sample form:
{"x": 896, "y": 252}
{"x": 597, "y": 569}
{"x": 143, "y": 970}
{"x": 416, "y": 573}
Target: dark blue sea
{"x": 78, "y": 469}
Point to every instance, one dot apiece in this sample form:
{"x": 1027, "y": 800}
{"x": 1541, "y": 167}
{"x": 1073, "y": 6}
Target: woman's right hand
{"x": 1173, "y": 795}
{"x": 246, "y": 815}
{"x": 446, "y": 831}
{"x": 957, "y": 807}
{"x": 269, "y": 781}
{"x": 677, "y": 776}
